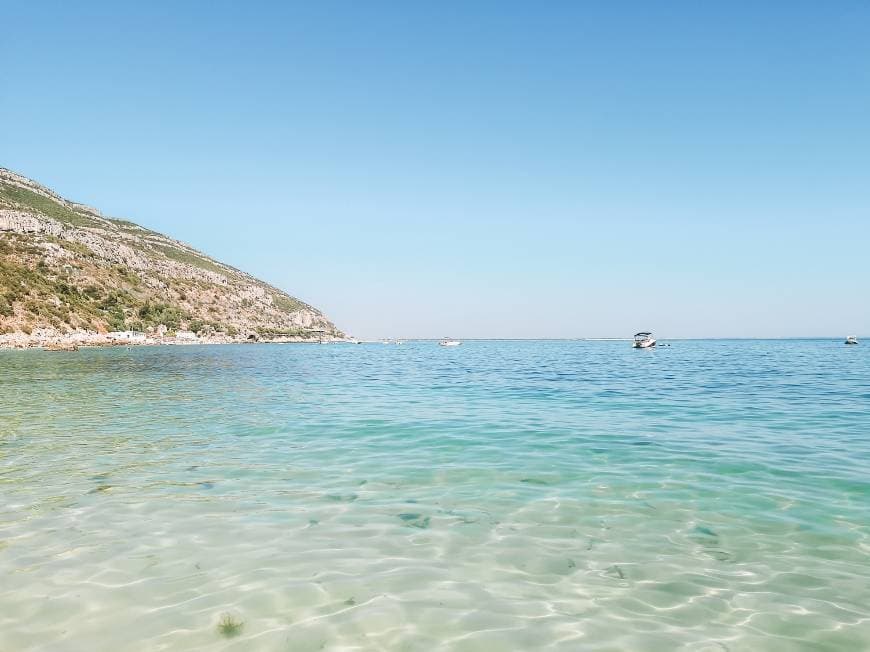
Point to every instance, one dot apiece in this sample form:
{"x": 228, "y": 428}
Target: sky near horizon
{"x": 480, "y": 169}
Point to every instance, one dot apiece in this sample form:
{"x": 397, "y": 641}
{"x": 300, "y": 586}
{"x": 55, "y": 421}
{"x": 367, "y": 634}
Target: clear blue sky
{"x": 475, "y": 169}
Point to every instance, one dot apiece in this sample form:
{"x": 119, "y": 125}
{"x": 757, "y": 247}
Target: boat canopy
{"x": 642, "y": 334}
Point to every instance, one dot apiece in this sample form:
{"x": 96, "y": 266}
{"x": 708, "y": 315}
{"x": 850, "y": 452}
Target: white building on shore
{"x": 127, "y": 336}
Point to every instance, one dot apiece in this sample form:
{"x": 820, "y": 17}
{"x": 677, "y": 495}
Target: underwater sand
{"x": 711, "y": 496}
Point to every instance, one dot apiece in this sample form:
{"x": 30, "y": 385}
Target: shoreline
{"x": 53, "y": 341}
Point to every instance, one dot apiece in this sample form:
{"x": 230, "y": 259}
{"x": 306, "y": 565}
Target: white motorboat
{"x": 447, "y": 341}
{"x": 644, "y": 340}
{"x": 851, "y": 340}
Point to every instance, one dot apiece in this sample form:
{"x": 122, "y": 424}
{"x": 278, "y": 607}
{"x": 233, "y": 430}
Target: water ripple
{"x": 710, "y": 496}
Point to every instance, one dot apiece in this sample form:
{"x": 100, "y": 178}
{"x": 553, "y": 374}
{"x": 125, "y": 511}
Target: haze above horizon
{"x": 499, "y": 170}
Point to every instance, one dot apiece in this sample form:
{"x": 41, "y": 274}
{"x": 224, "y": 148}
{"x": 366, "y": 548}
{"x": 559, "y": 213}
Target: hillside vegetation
{"x": 65, "y": 268}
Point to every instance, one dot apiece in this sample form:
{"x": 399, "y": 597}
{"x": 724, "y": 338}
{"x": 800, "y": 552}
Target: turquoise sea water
{"x": 714, "y": 495}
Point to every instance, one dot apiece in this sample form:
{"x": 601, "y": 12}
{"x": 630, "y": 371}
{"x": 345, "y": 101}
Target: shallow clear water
{"x": 714, "y": 495}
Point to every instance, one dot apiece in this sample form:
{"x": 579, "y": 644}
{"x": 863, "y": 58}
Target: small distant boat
{"x": 851, "y": 339}
{"x": 447, "y": 341}
{"x": 643, "y": 340}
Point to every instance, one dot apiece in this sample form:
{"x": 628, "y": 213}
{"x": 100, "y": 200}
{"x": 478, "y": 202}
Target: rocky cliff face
{"x": 65, "y": 268}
